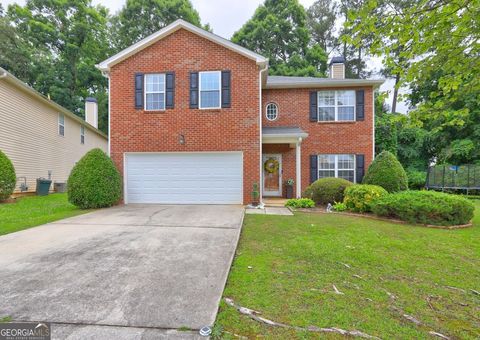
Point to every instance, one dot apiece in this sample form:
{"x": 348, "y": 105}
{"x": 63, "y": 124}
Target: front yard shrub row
{"x": 94, "y": 181}
{"x": 387, "y": 172}
{"x": 327, "y": 190}
{"x": 425, "y": 207}
{"x": 8, "y": 178}
{"x": 300, "y": 203}
{"x": 359, "y": 197}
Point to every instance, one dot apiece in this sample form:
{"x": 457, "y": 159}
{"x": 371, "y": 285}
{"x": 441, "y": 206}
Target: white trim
{"x": 273, "y": 193}
{"x": 266, "y": 111}
{"x": 173, "y": 27}
{"x": 154, "y": 92}
{"x": 109, "y": 105}
{"x": 260, "y": 125}
{"x": 336, "y": 106}
{"x": 219, "y": 90}
{"x": 323, "y": 82}
{"x": 125, "y": 178}
{"x": 373, "y": 127}
{"x": 298, "y": 168}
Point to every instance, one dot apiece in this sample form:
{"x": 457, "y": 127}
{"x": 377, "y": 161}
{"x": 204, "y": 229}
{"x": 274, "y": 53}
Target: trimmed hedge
{"x": 327, "y": 190}
{"x": 416, "y": 179}
{"x": 94, "y": 181}
{"x": 8, "y": 178}
{"x": 425, "y": 207}
{"x": 300, "y": 203}
{"x": 359, "y": 197}
{"x": 387, "y": 172}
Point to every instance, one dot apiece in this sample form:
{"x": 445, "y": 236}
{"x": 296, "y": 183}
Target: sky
{"x": 227, "y": 16}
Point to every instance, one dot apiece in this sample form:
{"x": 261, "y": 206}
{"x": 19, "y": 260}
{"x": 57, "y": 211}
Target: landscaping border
{"x": 373, "y": 217}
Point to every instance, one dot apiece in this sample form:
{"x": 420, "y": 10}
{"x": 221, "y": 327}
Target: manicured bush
{"x": 8, "y": 178}
{"x": 300, "y": 203}
{"x": 387, "y": 172}
{"x": 359, "y": 197}
{"x": 327, "y": 190}
{"x": 416, "y": 179}
{"x": 425, "y": 207}
{"x": 94, "y": 181}
{"x": 339, "y": 206}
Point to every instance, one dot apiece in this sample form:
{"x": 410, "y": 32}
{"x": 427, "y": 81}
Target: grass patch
{"x": 31, "y": 211}
{"x": 5, "y": 319}
{"x": 296, "y": 261}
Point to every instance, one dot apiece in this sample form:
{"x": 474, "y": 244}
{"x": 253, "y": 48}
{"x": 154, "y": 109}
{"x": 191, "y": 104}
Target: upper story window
{"x": 61, "y": 124}
{"x": 341, "y": 166}
{"x": 210, "y": 86}
{"x": 82, "y": 134}
{"x": 155, "y": 92}
{"x": 271, "y": 111}
{"x": 336, "y": 105}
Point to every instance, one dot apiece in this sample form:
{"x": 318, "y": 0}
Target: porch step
{"x": 274, "y": 201}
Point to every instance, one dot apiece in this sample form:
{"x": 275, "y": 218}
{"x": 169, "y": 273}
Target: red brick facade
{"x": 227, "y": 129}
{"x": 323, "y": 138}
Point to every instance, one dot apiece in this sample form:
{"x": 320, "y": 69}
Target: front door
{"x": 272, "y": 175}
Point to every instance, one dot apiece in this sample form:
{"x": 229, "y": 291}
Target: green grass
{"x": 296, "y": 260}
{"x": 31, "y": 211}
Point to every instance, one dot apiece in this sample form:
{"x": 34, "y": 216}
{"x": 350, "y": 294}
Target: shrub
{"x": 300, "y": 203}
{"x": 416, "y": 179}
{"x": 94, "y": 181}
{"x": 426, "y": 207}
{"x": 327, "y": 190}
{"x": 387, "y": 172}
{"x": 339, "y": 206}
{"x": 359, "y": 197}
{"x": 8, "y": 178}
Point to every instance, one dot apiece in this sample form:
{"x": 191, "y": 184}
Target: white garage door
{"x": 184, "y": 178}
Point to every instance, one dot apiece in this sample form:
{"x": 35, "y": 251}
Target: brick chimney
{"x": 91, "y": 112}
{"x": 337, "y": 68}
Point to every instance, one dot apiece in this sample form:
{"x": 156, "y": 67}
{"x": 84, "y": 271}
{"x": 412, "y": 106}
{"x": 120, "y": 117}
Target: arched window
{"x": 272, "y": 111}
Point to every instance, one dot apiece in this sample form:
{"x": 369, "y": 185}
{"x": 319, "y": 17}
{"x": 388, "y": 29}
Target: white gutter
{"x": 260, "y": 184}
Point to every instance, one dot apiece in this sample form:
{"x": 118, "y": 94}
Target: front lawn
{"x": 35, "y": 210}
{"x": 286, "y": 267}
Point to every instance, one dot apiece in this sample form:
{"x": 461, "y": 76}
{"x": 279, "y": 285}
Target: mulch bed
{"x": 322, "y": 210}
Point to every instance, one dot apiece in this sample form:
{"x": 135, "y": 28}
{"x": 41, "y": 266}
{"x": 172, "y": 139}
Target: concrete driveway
{"x": 136, "y": 271}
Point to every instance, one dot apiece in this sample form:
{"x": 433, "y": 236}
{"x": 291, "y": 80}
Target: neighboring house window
{"x": 210, "y": 90}
{"x": 61, "y": 124}
{"x": 82, "y": 134}
{"x": 272, "y": 111}
{"x": 155, "y": 92}
{"x": 342, "y": 166}
{"x": 336, "y": 105}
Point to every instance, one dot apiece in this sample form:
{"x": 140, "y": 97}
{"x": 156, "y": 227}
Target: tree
{"x": 278, "y": 30}
{"x": 140, "y": 18}
{"x": 415, "y": 38}
{"x": 321, "y": 17}
{"x": 67, "y": 39}
{"x": 386, "y": 134}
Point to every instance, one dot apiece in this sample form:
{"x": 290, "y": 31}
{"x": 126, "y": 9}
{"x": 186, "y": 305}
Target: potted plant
{"x": 255, "y": 195}
{"x": 289, "y": 187}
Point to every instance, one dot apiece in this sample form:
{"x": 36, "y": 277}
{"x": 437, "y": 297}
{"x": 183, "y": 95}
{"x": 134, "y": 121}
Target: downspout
{"x": 107, "y": 75}
{"x": 260, "y": 185}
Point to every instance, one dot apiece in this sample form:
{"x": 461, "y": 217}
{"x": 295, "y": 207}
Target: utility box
{"x": 60, "y": 187}
{"x": 43, "y": 186}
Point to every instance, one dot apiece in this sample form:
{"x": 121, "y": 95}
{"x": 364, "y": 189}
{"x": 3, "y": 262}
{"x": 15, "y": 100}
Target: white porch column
{"x": 298, "y": 168}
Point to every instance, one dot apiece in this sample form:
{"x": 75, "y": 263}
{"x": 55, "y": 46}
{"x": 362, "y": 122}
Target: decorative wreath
{"x": 271, "y": 165}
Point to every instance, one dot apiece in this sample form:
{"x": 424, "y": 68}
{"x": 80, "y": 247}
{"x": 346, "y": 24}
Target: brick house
{"x": 195, "y": 118}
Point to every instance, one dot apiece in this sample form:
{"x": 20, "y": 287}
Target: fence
{"x": 456, "y": 177}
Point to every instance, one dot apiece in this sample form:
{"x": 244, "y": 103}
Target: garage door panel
{"x": 188, "y": 178}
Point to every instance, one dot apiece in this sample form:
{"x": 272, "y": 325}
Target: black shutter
{"x": 226, "y": 92}
{"x": 313, "y": 168}
{"x": 194, "y": 90}
{"x": 313, "y": 107}
{"x": 360, "y": 160}
{"x": 169, "y": 90}
{"x": 138, "y": 91}
{"x": 360, "y": 101}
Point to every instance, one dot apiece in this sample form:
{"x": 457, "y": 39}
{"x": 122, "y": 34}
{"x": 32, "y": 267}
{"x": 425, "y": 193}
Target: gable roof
{"x": 10, "y": 78}
{"x": 285, "y": 82}
{"x": 173, "y": 27}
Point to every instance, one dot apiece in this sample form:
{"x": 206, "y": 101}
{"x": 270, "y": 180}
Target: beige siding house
{"x": 40, "y": 137}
